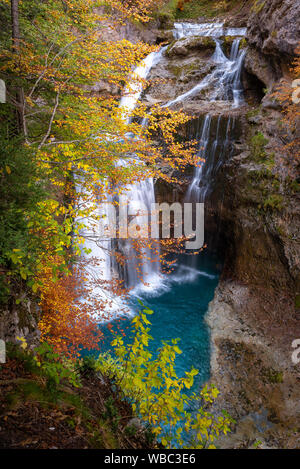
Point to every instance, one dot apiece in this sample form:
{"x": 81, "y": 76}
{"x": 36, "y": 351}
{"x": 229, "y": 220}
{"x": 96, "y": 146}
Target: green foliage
{"x": 28, "y": 222}
{"x": 53, "y": 368}
{"x": 87, "y": 365}
{"x": 50, "y": 374}
{"x": 257, "y": 147}
{"x": 206, "y": 8}
{"x": 20, "y": 193}
{"x": 158, "y": 396}
{"x": 56, "y": 369}
{"x": 253, "y": 112}
{"x": 273, "y": 202}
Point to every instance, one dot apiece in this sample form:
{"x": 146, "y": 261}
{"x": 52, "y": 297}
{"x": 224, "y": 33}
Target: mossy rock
{"x": 191, "y": 44}
{"x": 257, "y": 147}
{"x": 274, "y": 202}
{"x": 229, "y": 40}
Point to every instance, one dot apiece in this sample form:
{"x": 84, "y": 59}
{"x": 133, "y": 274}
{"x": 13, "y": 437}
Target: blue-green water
{"x": 179, "y": 308}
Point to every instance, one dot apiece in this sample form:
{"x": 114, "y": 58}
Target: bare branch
{"x": 51, "y": 121}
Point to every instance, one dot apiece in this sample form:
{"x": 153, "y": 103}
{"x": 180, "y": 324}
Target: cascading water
{"x": 225, "y": 79}
{"x": 143, "y": 266}
{"x": 142, "y": 269}
{"x": 180, "y": 306}
{"x": 224, "y": 84}
{"x": 182, "y": 30}
{"x": 215, "y": 139}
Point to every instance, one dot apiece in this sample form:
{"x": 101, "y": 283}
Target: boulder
{"x": 182, "y": 47}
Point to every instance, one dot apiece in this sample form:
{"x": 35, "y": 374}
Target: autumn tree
{"x": 50, "y": 61}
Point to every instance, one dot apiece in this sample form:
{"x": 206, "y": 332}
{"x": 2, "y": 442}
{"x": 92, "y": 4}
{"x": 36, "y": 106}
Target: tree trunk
{"x": 16, "y": 37}
{"x": 15, "y": 23}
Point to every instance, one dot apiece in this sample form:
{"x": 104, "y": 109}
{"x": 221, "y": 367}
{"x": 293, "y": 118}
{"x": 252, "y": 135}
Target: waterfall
{"x": 99, "y": 244}
{"x": 142, "y": 269}
{"x": 214, "y": 133}
{"x": 225, "y": 79}
{"x": 194, "y": 193}
{"x": 227, "y": 87}
{"x": 182, "y": 30}
{"x": 132, "y": 93}
{"x": 215, "y": 144}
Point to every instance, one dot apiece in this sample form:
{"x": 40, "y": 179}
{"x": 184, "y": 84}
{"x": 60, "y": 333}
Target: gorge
{"x": 243, "y": 231}
{"x": 232, "y": 68}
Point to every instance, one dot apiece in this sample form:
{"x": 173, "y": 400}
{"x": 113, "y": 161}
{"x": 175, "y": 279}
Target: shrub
{"x": 158, "y": 396}
{"x": 257, "y": 147}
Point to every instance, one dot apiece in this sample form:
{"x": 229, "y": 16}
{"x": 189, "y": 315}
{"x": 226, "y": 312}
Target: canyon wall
{"x": 255, "y": 316}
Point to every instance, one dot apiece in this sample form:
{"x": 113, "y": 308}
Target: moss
{"x": 270, "y": 163}
{"x": 166, "y": 14}
{"x": 253, "y": 112}
{"x": 272, "y": 376}
{"x": 178, "y": 70}
{"x": 294, "y": 186}
{"x": 243, "y": 43}
{"x": 257, "y": 147}
{"x": 206, "y": 8}
{"x": 258, "y": 6}
{"x": 205, "y": 43}
{"x": 273, "y": 202}
{"x": 297, "y": 301}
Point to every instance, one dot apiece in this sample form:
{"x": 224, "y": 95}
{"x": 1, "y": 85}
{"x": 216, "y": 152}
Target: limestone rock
{"x": 182, "y": 47}
{"x": 274, "y": 27}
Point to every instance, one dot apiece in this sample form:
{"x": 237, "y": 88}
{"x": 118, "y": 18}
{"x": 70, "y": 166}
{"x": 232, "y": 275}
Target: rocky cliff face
{"x": 255, "y": 314}
{"x": 273, "y": 35}
{"x": 273, "y": 28}
{"x": 254, "y": 317}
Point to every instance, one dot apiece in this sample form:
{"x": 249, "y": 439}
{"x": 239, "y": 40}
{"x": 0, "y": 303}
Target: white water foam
{"x": 216, "y": 30}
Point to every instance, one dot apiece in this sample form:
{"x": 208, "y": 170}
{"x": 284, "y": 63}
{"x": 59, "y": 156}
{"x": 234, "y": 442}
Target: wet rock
{"x": 182, "y": 47}
{"x": 165, "y": 36}
{"x": 177, "y": 49}
{"x": 270, "y": 103}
